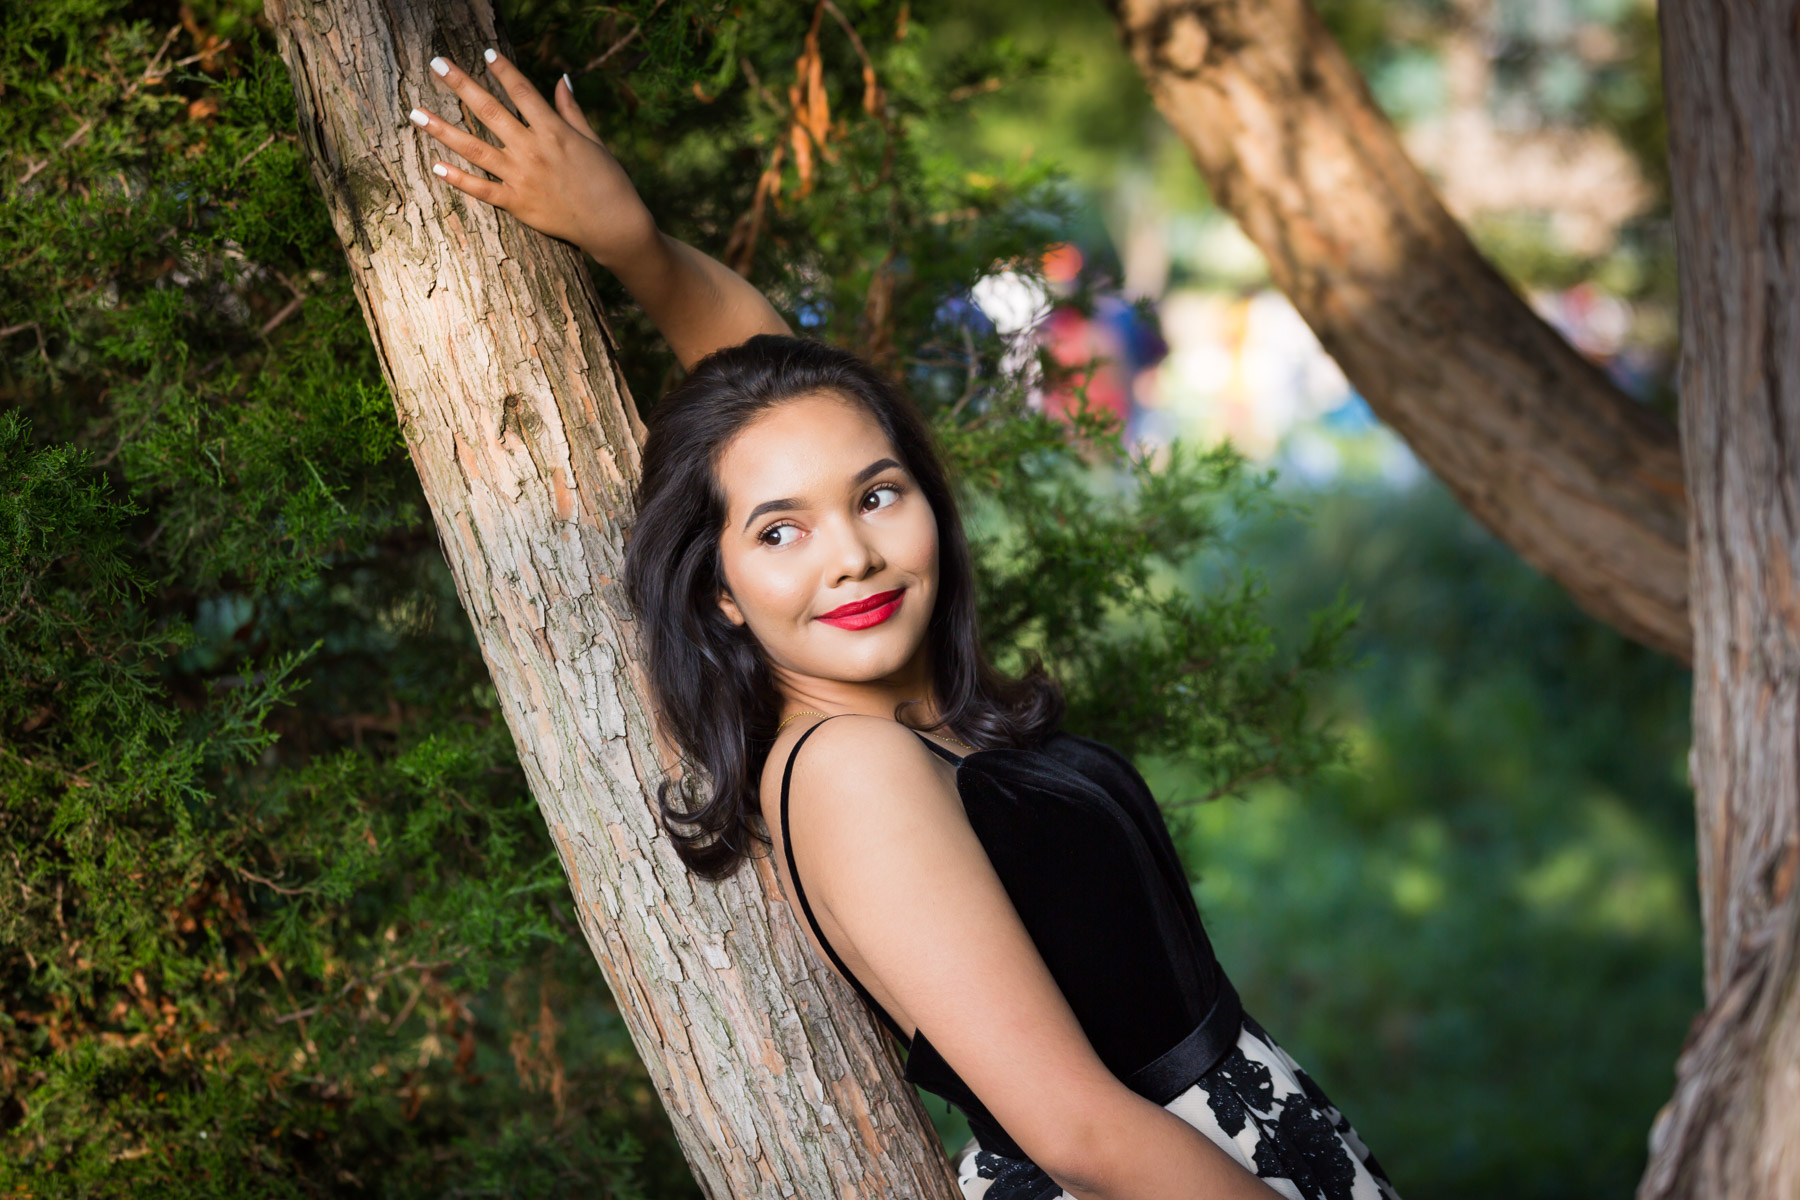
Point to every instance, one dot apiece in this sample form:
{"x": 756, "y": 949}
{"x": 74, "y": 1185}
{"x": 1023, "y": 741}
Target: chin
{"x": 875, "y": 658}
{"x": 865, "y": 668}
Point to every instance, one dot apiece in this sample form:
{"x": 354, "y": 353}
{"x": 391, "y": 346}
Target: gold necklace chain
{"x": 816, "y": 713}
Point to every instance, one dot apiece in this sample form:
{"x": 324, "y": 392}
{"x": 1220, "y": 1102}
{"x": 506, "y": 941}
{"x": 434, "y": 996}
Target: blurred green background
{"x": 288, "y": 920}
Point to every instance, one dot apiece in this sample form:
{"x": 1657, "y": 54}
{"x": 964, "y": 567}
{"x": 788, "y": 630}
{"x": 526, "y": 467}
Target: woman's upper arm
{"x": 884, "y": 846}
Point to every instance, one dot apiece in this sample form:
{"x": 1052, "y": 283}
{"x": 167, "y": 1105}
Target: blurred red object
{"x": 1072, "y": 340}
{"x": 1062, "y": 263}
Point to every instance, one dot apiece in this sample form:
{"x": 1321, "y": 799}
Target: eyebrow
{"x": 873, "y": 469}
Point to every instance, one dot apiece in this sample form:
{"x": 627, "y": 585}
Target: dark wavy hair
{"x": 714, "y": 693}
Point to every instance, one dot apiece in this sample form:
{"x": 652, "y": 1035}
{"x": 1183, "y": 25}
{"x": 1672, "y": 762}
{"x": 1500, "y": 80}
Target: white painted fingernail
{"x": 418, "y": 118}
{"x": 567, "y": 84}
{"x": 440, "y": 170}
{"x": 440, "y": 66}
{"x": 489, "y": 55}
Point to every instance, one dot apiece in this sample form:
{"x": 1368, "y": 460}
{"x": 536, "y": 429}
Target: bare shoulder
{"x": 852, "y": 738}
{"x": 856, "y": 761}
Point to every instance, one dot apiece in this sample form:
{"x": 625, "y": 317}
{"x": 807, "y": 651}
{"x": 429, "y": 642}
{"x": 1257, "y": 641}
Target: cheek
{"x": 786, "y": 592}
{"x": 764, "y": 586}
{"x": 922, "y": 545}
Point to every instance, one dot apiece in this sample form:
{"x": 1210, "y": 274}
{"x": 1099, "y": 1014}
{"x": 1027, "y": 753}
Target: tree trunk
{"x": 1581, "y": 480}
{"x": 1732, "y": 78}
{"x": 527, "y": 443}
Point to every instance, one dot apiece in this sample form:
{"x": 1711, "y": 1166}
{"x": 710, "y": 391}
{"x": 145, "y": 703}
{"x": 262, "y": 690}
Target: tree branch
{"x": 1581, "y": 480}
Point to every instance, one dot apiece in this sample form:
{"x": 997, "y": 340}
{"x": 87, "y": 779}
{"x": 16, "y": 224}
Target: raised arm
{"x": 553, "y": 173}
{"x": 928, "y": 925}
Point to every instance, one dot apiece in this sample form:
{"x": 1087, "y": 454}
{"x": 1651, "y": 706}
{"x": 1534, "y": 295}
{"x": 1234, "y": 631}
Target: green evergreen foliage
{"x": 280, "y": 917}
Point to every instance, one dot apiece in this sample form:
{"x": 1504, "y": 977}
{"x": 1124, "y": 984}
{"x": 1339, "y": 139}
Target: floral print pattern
{"x": 1257, "y": 1103}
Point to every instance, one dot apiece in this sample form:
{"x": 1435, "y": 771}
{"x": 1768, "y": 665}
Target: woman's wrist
{"x": 639, "y": 257}
{"x": 662, "y": 280}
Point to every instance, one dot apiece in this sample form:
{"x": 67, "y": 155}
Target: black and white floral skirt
{"x": 1260, "y": 1106}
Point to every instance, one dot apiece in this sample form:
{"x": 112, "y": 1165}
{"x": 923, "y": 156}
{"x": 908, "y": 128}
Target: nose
{"x": 854, "y": 555}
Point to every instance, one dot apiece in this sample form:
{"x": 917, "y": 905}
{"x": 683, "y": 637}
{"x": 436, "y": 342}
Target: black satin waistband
{"x": 1175, "y": 1070}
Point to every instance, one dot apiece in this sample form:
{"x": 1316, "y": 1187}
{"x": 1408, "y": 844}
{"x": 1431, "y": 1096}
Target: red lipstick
{"x": 861, "y": 614}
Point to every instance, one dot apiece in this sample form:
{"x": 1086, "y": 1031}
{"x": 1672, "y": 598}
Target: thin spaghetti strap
{"x": 943, "y": 752}
{"x": 787, "y": 844}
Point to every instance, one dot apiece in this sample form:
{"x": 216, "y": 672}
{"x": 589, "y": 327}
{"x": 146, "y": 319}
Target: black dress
{"x": 1082, "y": 850}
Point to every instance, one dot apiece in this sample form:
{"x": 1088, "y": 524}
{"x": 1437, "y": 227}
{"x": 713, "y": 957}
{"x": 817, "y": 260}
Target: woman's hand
{"x": 553, "y": 174}
{"x": 551, "y": 171}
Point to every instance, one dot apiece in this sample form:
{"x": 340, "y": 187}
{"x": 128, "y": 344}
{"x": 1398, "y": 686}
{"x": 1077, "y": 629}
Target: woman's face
{"x": 820, "y": 514}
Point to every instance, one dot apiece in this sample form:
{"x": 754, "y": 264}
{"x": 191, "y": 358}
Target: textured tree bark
{"x": 527, "y": 443}
{"x": 1581, "y": 480}
{"x": 1732, "y": 78}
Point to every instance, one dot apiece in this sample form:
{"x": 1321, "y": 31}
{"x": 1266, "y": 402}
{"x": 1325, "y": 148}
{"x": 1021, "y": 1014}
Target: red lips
{"x": 859, "y": 606}
{"x": 867, "y": 613}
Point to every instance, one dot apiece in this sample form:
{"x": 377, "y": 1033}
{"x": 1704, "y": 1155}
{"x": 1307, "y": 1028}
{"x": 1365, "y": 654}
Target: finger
{"x": 479, "y": 101}
{"x": 482, "y": 154}
{"x": 531, "y": 105}
{"x": 486, "y": 190}
{"x": 571, "y": 111}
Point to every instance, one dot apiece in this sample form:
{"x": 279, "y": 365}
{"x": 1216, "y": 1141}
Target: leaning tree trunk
{"x": 1581, "y": 480}
{"x": 527, "y": 443}
{"x": 1732, "y": 81}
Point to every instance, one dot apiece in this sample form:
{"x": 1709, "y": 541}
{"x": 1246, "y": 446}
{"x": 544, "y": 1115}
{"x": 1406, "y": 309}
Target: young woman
{"x": 1003, "y": 895}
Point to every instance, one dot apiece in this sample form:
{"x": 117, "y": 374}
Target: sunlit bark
{"x": 527, "y": 443}
{"x": 1732, "y": 78}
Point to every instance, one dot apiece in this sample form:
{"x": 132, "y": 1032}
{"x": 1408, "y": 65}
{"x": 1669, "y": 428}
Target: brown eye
{"x": 763, "y": 537}
{"x": 885, "y": 487}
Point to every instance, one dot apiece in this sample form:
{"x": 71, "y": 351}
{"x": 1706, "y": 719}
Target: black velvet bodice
{"x": 1077, "y": 840}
